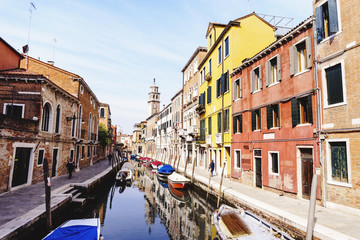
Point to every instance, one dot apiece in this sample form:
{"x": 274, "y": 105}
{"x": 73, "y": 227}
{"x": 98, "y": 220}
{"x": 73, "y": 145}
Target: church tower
{"x": 154, "y": 99}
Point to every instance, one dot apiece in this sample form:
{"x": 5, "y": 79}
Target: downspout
{"x": 319, "y": 117}
{"x": 222, "y": 102}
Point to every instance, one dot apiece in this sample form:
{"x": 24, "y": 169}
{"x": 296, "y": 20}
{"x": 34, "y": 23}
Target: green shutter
{"x": 269, "y": 117}
{"x": 277, "y": 109}
{"x": 292, "y": 60}
{"x": 253, "y": 120}
{"x": 219, "y": 122}
{"x": 259, "y": 118}
{"x": 222, "y": 83}
{"x": 260, "y": 78}
{"x": 309, "y": 98}
{"x": 240, "y": 123}
{"x": 295, "y": 112}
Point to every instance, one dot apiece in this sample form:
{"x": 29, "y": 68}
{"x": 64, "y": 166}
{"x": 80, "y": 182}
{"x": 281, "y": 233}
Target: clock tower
{"x": 154, "y": 99}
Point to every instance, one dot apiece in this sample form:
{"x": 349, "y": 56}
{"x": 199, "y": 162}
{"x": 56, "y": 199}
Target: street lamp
{"x": 73, "y": 118}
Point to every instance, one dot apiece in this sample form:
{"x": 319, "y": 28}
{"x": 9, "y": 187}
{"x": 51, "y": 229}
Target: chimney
{"x": 51, "y": 62}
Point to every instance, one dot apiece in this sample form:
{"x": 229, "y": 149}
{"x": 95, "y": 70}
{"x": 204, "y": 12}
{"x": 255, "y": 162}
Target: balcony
{"x": 218, "y": 138}
{"x": 189, "y": 139}
{"x": 200, "y": 109}
{"x": 193, "y": 130}
{"x": 208, "y": 139}
{"x": 182, "y": 132}
{"x": 208, "y": 76}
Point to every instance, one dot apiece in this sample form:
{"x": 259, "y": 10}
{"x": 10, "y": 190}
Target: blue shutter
{"x": 333, "y": 18}
{"x": 319, "y": 24}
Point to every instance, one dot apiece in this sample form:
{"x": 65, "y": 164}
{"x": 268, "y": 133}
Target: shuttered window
{"x": 202, "y": 130}
{"x": 256, "y": 119}
{"x": 219, "y": 122}
{"x": 273, "y": 116}
{"x": 209, "y": 125}
{"x": 227, "y": 51}
{"x": 273, "y": 70}
{"x": 300, "y": 56}
{"x": 237, "y": 89}
{"x": 327, "y": 23}
{"x": 237, "y": 124}
{"x": 256, "y": 79}
{"x": 339, "y": 165}
{"x": 301, "y": 110}
{"x": 218, "y": 86}
{"x": 226, "y": 120}
{"x": 219, "y": 55}
{"x": 208, "y": 95}
{"x": 334, "y": 85}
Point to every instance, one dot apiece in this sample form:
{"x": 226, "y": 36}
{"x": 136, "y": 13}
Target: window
{"x": 218, "y": 86}
{"x": 73, "y": 125}
{"x": 202, "y": 130}
{"x": 209, "y": 125}
{"x": 237, "y": 89}
{"x": 89, "y": 127}
{"x": 237, "y": 159}
{"x": 273, "y": 70}
{"x": 225, "y": 82}
{"x": 274, "y": 163}
{"x": 339, "y": 161}
{"x": 301, "y": 110}
{"x": 210, "y": 40}
{"x": 226, "y": 120}
{"x": 204, "y": 73}
{"x": 82, "y": 152}
{"x": 14, "y": 110}
{"x": 327, "y": 23}
{"x": 334, "y": 85}
{"x": 256, "y": 79}
{"x": 202, "y": 99}
{"x": 72, "y": 153}
{"x": 256, "y": 119}
{"x": 273, "y": 116}
{"x": 219, "y": 122}
{"x": 219, "y": 55}
{"x": 300, "y": 56}
{"x": 46, "y": 118}
{"x": 210, "y": 68}
{"x": 40, "y": 157}
{"x": 208, "y": 95}
{"x": 88, "y": 151}
{"x": 81, "y": 89}
{"x": 102, "y": 112}
{"x": 237, "y": 124}
{"x": 227, "y": 47}
{"x": 57, "y": 121}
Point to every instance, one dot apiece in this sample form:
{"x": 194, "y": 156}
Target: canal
{"x": 148, "y": 209}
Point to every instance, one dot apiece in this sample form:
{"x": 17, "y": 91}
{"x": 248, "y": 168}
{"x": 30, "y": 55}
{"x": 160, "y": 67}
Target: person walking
{"x": 109, "y": 157}
{"x": 211, "y": 167}
{"x": 70, "y": 167}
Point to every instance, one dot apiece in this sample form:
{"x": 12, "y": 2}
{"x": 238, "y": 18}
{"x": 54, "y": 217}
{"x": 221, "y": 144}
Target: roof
{"x": 199, "y": 49}
{"x": 214, "y": 24}
{"x": 176, "y": 94}
{"x": 234, "y": 23}
{"x": 11, "y": 48}
{"x": 73, "y": 75}
{"x": 274, "y": 45}
{"x": 27, "y": 75}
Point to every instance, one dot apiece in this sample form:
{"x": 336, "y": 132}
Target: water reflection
{"x": 150, "y": 209}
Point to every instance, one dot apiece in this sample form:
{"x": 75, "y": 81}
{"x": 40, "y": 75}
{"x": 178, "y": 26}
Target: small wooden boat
{"x": 164, "y": 171}
{"x": 178, "y": 181}
{"x": 77, "y": 229}
{"x": 124, "y": 175}
{"x": 155, "y": 164}
{"x": 231, "y": 223}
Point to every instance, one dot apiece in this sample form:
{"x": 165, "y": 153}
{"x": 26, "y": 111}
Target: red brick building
{"x": 275, "y": 116}
{"x": 86, "y": 118}
{"x": 33, "y": 124}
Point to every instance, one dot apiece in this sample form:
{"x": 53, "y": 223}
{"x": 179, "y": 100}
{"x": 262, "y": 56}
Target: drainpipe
{"x": 319, "y": 117}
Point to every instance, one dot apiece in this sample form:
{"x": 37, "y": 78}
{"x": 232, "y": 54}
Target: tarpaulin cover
{"x": 167, "y": 168}
{"x": 74, "y": 232}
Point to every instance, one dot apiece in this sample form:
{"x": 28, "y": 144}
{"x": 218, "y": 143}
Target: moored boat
{"x": 77, "y": 229}
{"x": 179, "y": 194}
{"x": 124, "y": 175}
{"x": 164, "y": 171}
{"x": 231, "y": 223}
{"x": 178, "y": 181}
{"x": 155, "y": 164}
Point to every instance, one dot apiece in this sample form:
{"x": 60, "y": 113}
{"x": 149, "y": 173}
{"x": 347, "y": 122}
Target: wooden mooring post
{"x": 193, "y": 170}
{"x": 47, "y": 194}
{"x": 221, "y": 180}
{"x": 207, "y": 194}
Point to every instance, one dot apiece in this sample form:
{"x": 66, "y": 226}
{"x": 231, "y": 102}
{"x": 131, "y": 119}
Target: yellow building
{"x": 105, "y": 115}
{"x": 228, "y": 45}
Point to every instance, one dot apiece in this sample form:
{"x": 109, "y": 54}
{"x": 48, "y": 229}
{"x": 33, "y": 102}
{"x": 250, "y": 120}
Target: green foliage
{"x": 105, "y": 136}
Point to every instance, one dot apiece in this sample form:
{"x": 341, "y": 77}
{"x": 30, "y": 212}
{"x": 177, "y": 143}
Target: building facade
{"x": 175, "y": 140}
{"x": 338, "y": 61}
{"x": 228, "y": 45}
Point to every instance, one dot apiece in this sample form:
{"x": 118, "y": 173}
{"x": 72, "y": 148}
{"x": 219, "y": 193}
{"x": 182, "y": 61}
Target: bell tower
{"x": 154, "y": 99}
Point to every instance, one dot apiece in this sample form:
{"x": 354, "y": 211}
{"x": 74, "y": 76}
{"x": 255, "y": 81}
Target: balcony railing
{"x": 193, "y": 130}
{"x": 208, "y": 76}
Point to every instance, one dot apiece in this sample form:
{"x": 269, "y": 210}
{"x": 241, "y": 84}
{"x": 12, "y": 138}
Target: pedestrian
{"x": 70, "y": 167}
{"x": 109, "y": 157}
{"x": 211, "y": 167}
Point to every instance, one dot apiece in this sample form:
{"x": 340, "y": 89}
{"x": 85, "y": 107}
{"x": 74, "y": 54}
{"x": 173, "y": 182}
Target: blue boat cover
{"x": 164, "y": 185}
{"x": 74, "y": 232}
{"x": 167, "y": 168}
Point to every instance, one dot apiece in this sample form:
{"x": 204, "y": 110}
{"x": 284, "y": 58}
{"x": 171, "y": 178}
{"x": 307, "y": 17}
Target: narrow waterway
{"x": 148, "y": 209}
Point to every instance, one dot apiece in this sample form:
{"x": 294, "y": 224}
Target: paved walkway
{"x": 330, "y": 224}
{"x": 15, "y": 205}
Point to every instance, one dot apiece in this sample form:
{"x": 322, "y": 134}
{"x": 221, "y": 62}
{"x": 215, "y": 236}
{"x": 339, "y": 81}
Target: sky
{"x": 119, "y": 46}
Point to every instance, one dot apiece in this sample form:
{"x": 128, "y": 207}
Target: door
{"x": 21, "y": 166}
{"x": 306, "y": 171}
{"x": 54, "y": 162}
{"x": 258, "y": 168}
{"x": 77, "y": 155}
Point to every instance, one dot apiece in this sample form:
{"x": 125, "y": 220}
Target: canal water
{"x": 149, "y": 209}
